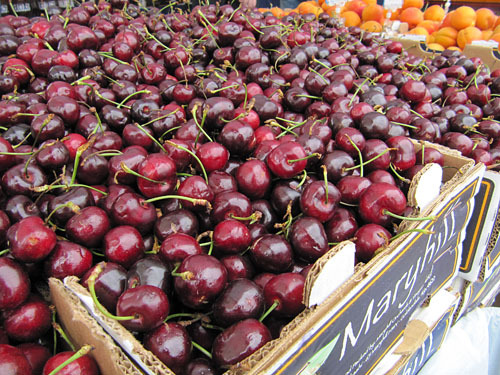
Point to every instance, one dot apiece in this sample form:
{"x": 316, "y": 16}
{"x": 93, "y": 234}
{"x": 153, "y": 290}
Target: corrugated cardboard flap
{"x": 82, "y": 329}
{"x": 134, "y": 349}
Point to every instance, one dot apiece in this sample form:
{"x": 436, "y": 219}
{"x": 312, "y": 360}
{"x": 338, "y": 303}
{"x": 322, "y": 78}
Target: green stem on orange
{"x": 84, "y": 350}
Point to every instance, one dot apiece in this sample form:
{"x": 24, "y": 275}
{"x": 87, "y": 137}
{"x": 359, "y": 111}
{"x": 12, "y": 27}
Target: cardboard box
{"x": 480, "y": 253}
{"x": 487, "y": 52}
{"x": 355, "y": 316}
{"x": 422, "y": 337}
{"x": 476, "y": 294}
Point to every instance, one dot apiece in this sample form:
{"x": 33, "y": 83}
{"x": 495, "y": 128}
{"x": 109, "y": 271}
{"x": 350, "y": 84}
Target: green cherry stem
{"x": 63, "y": 334}
{"x": 202, "y": 349}
{"x": 269, "y": 310}
{"x": 126, "y": 169}
{"x": 389, "y": 213}
{"x": 195, "y": 201}
{"x": 4, "y": 251}
{"x": 424, "y": 231}
{"x": 325, "y": 177}
{"x": 253, "y": 217}
{"x": 84, "y": 350}
{"x": 368, "y": 161}
{"x": 313, "y": 155}
{"x": 91, "y": 284}
{"x": 360, "y": 155}
{"x": 132, "y": 95}
{"x": 193, "y": 155}
{"x": 393, "y": 169}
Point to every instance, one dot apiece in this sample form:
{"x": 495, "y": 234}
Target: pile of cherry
{"x": 190, "y": 168}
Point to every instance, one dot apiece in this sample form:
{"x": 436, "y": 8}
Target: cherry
{"x": 65, "y": 205}
{"x": 239, "y": 341}
{"x": 146, "y": 305}
{"x": 220, "y": 182}
{"x": 199, "y": 280}
{"x": 157, "y": 175}
{"x": 29, "y": 321}
{"x": 178, "y": 221}
{"x": 14, "y": 284}
{"x": 200, "y": 366}
{"x": 178, "y": 246}
{"x": 36, "y": 354}
{"x": 231, "y": 205}
{"x": 123, "y": 245}
{"x": 213, "y": 156}
{"x": 13, "y": 361}
{"x": 368, "y": 239}
{"x": 341, "y": 226}
{"x": 195, "y": 187}
{"x": 171, "y": 343}
{"x": 285, "y": 292}
{"x": 109, "y": 284}
{"x": 79, "y": 363}
{"x": 238, "y": 267}
{"x": 287, "y": 160}
{"x": 376, "y": 152}
{"x": 413, "y": 91}
{"x": 68, "y": 259}
{"x": 272, "y": 253}
{"x": 308, "y": 238}
{"x": 231, "y": 236}
{"x": 379, "y": 201}
{"x": 403, "y": 153}
{"x": 254, "y": 179}
{"x": 30, "y": 240}
{"x": 319, "y": 200}
{"x": 23, "y": 180}
{"x": 242, "y": 299}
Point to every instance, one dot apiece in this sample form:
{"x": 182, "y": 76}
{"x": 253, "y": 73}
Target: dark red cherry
{"x": 85, "y": 365}
{"x": 379, "y": 198}
{"x": 149, "y": 270}
{"x": 308, "y": 238}
{"x": 238, "y": 267}
{"x": 231, "y": 237}
{"x": 368, "y": 239}
{"x": 178, "y": 246}
{"x": 123, "y": 245}
{"x": 230, "y": 205}
{"x": 68, "y": 259}
{"x": 31, "y": 240}
{"x": 272, "y": 253}
{"x": 178, "y": 221}
{"x": 199, "y": 280}
{"x": 239, "y": 341}
{"x": 242, "y": 299}
{"x": 88, "y": 226}
{"x": 171, "y": 343}
{"x": 341, "y": 226}
{"x": 254, "y": 179}
{"x": 36, "y": 354}
{"x": 13, "y": 361}
{"x": 109, "y": 284}
{"x": 320, "y": 200}
{"x": 286, "y": 290}
{"x": 14, "y": 284}
{"x": 287, "y": 160}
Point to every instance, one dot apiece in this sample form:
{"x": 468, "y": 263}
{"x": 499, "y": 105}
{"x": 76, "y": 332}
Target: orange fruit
{"x": 463, "y": 17}
{"x": 372, "y": 26}
{"x": 430, "y": 26}
{"x": 447, "y": 20}
{"x": 446, "y": 36}
{"x": 307, "y": 7}
{"x": 368, "y": 2}
{"x": 455, "y": 48}
{"x": 373, "y": 12}
{"x": 467, "y": 35}
{"x": 485, "y": 18}
{"x": 435, "y": 46}
{"x": 495, "y": 37}
{"x": 351, "y": 18}
{"x": 412, "y": 16}
{"x": 413, "y": 4}
{"x": 356, "y": 6}
{"x": 419, "y": 31}
{"x": 434, "y": 13}
{"x": 277, "y": 12}
{"x": 486, "y": 34}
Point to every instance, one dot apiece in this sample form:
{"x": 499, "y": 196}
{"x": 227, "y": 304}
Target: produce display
{"x": 191, "y": 167}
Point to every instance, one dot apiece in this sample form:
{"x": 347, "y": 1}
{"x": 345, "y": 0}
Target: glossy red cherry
{"x": 84, "y": 365}
{"x": 124, "y": 245}
{"x": 14, "y": 284}
{"x": 13, "y": 361}
{"x": 320, "y": 201}
{"x": 286, "y": 291}
{"x": 231, "y": 237}
{"x": 378, "y": 200}
{"x": 68, "y": 259}
{"x": 308, "y": 238}
{"x": 368, "y": 239}
{"x": 272, "y": 253}
{"x": 287, "y": 160}
{"x": 31, "y": 240}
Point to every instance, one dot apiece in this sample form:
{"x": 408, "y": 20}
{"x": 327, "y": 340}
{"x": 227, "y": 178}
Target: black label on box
{"x": 357, "y": 334}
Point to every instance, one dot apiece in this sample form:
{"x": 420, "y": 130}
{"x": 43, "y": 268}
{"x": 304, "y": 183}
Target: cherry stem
{"x": 138, "y": 175}
{"x": 84, "y": 350}
{"x": 269, "y": 310}
{"x": 193, "y": 155}
{"x": 202, "y": 349}
{"x": 110, "y": 56}
{"x": 186, "y": 275}
{"x": 200, "y": 126}
{"x": 325, "y": 177}
{"x": 63, "y": 334}
{"x": 360, "y": 155}
{"x": 179, "y": 315}
{"x": 313, "y": 155}
{"x": 3, "y": 252}
{"x": 396, "y": 216}
{"x": 393, "y": 169}
{"x": 161, "y": 117}
{"x": 368, "y": 161}
{"x": 424, "y": 231}
{"x": 195, "y": 201}
{"x": 358, "y": 88}
{"x": 75, "y": 208}
{"x": 273, "y": 122}
{"x": 12, "y": 8}
{"x": 303, "y": 179}
{"x": 404, "y": 125}
{"x": 308, "y": 96}
{"x": 253, "y": 217}
{"x": 91, "y": 284}
{"x": 131, "y": 95}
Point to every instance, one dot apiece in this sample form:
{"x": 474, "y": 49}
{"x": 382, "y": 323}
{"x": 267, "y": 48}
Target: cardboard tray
{"x": 481, "y": 250}
{"x": 422, "y": 337}
{"x": 356, "y": 315}
{"x": 413, "y": 44}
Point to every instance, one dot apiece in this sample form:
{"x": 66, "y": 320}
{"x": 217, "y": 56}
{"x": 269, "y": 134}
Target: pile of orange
{"x": 452, "y": 30}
